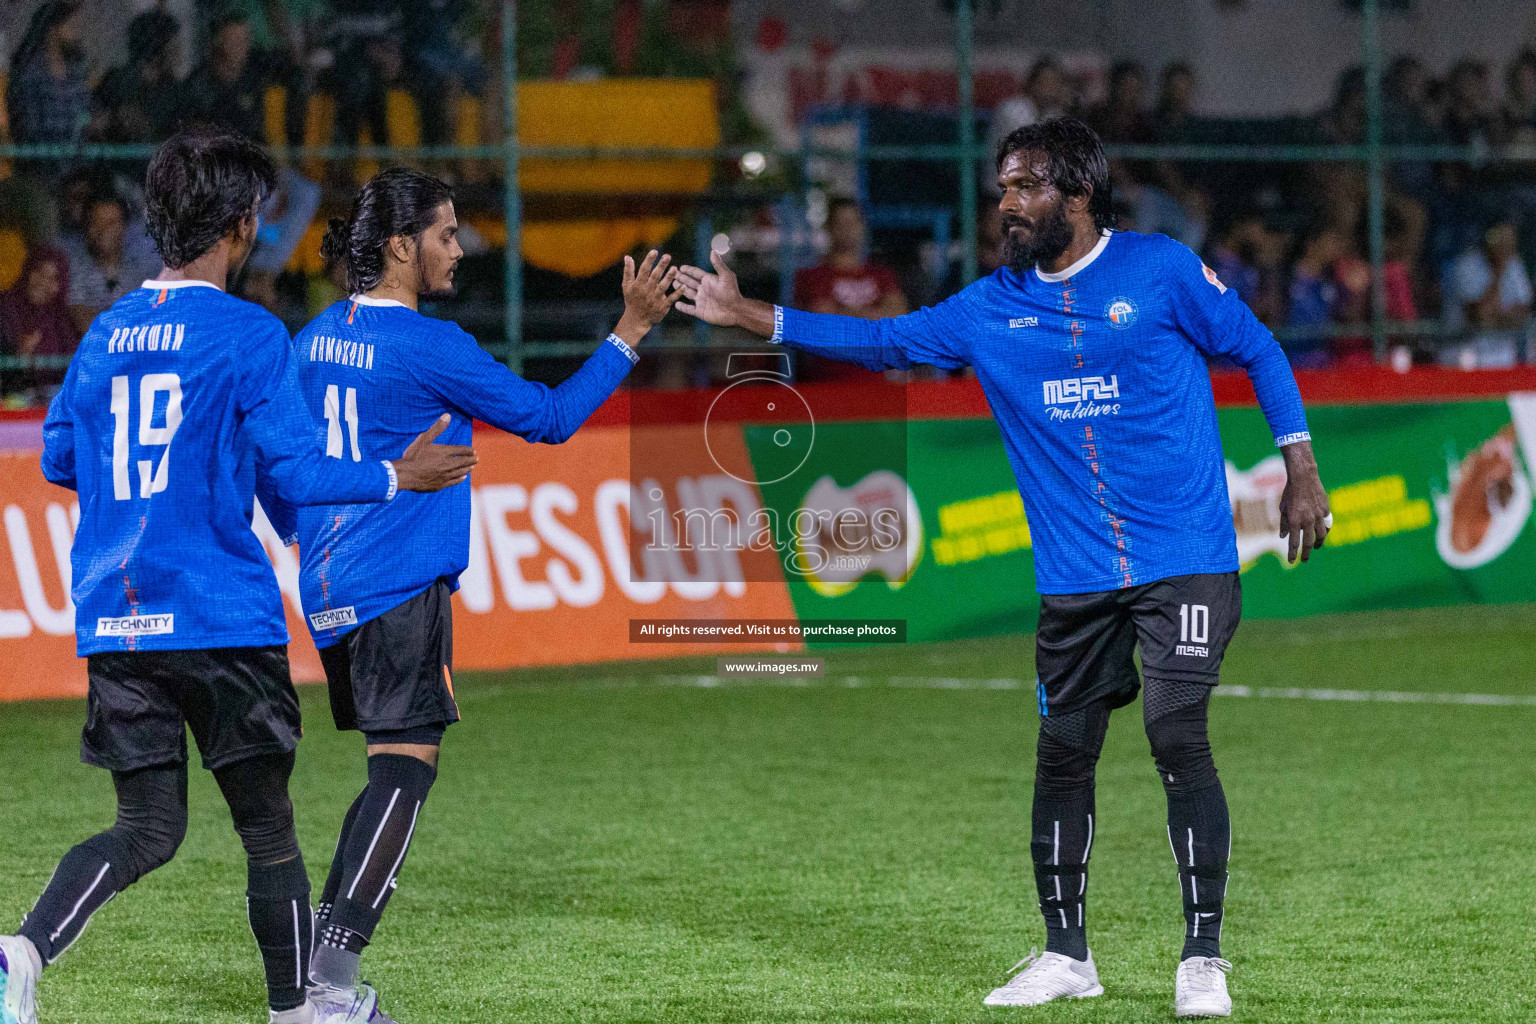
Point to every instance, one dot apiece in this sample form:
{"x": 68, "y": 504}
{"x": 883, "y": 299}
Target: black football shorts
{"x": 395, "y": 672}
{"x": 1084, "y": 647}
{"x": 239, "y": 702}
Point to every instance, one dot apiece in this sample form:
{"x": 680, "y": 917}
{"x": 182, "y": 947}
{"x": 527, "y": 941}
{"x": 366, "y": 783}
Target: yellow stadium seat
{"x": 275, "y": 107}
{"x": 13, "y": 253}
{"x": 402, "y": 119}
{"x": 468, "y": 115}
{"x": 319, "y": 127}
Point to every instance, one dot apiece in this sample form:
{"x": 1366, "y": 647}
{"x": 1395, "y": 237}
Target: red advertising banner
{"x": 553, "y": 574}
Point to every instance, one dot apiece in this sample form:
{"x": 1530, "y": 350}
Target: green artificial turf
{"x": 623, "y": 844}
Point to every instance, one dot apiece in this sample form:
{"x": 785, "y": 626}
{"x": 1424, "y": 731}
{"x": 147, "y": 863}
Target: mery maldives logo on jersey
{"x": 1121, "y": 312}
{"x": 1088, "y": 396}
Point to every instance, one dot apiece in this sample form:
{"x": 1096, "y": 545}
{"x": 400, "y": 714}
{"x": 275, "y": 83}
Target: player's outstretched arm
{"x": 465, "y": 377}
{"x": 649, "y": 290}
{"x": 716, "y": 299}
{"x": 278, "y": 423}
{"x": 933, "y": 335}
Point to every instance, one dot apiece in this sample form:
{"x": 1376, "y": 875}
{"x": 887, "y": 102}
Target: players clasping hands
{"x": 648, "y": 295}
{"x": 649, "y": 292}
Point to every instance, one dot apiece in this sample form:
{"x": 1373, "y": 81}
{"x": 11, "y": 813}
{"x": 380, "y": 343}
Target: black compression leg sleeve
{"x": 1062, "y": 823}
{"x": 1199, "y": 827}
{"x": 333, "y": 879}
{"x": 151, "y": 823}
{"x": 372, "y": 853}
{"x": 277, "y": 890}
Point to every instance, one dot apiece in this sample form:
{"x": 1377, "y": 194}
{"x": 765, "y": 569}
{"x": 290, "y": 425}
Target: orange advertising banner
{"x": 555, "y": 571}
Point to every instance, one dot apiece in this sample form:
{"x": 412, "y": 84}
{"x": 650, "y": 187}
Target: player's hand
{"x": 714, "y": 298}
{"x": 649, "y": 293}
{"x": 426, "y": 466}
{"x": 1304, "y": 515}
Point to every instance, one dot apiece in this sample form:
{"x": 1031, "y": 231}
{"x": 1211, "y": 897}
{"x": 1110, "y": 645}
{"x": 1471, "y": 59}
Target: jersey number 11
{"x": 333, "y": 415}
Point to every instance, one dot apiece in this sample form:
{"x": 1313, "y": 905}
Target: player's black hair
{"x": 1075, "y": 162}
{"x": 201, "y": 184}
{"x": 395, "y": 202}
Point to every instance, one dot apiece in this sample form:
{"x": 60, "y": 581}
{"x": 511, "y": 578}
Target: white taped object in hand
{"x": 1328, "y": 521}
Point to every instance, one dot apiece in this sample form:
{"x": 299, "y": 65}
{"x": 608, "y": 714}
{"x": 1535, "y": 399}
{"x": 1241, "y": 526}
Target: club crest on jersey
{"x": 1121, "y": 311}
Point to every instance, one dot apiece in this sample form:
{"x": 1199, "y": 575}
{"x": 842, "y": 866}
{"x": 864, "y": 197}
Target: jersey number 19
{"x": 152, "y": 479}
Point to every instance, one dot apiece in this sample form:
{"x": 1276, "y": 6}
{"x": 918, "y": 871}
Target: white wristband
{"x": 394, "y": 480}
{"x": 623, "y": 346}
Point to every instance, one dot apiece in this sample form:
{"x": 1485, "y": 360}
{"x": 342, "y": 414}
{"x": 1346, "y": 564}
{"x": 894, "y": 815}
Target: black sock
{"x": 1200, "y": 831}
{"x": 1063, "y": 837}
{"x": 151, "y": 822}
{"x": 84, "y": 881}
{"x": 371, "y": 856}
{"x": 1199, "y": 828}
{"x": 277, "y": 902}
{"x": 1062, "y": 823}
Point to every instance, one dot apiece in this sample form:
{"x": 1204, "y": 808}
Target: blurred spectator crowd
{"x": 285, "y": 72}
{"x": 1290, "y": 238}
{"x": 1460, "y": 238}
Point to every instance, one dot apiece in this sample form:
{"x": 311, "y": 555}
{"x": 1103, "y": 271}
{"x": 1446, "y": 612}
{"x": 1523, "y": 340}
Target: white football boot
{"x": 347, "y": 1005}
{"x": 1048, "y": 976}
{"x": 18, "y": 981}
{"x": 1200, "y": 990}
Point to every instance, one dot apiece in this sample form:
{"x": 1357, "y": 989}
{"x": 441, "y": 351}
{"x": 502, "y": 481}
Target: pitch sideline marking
{"x": 1225, "y": 690}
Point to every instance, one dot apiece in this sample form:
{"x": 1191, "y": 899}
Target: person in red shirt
{"x": 848, "y": 284}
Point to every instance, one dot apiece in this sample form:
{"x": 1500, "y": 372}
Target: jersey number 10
{"x": 1194, "y": 623}
{"x": 333, "y": 414}
{"x": 152, "y": 479}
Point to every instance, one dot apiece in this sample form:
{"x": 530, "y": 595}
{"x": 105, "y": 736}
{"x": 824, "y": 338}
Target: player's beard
{"x": 1047, "y": 240}
{"x": 424, "y": 290}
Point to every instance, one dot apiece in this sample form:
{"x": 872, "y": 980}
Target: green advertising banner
{"x": 1431, "y": 506}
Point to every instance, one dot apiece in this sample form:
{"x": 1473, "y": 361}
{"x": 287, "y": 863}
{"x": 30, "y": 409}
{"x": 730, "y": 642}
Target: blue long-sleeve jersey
{"x": 180, "y": 404}
{"x": 375, "y": 374}
{"x": 1097, "y": 378}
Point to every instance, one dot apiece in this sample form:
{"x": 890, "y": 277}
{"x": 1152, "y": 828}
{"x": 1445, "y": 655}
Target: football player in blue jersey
{"x": 1091, "y": 346}
{"x": 180, "y": 404}
{"x": 376, "y": 587}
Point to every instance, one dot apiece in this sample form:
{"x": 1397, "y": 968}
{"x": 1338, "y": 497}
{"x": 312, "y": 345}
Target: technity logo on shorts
{"x": 1088, "y": 396}
{"x": 331, "y": 618}
{"x": 136, "y": 625}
